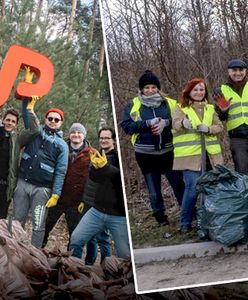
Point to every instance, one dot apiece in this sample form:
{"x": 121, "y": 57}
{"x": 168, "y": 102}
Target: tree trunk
{"x": 90, "y": 40}
{"x": 72, "y": 17}
{"x": 3, "y": 9}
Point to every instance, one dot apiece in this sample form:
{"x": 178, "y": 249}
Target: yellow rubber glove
{"x": 32, "y": 103}
{"x": 81, "y": 207}
{"x": 98, "y": 160}
{"x": 52, "y": 201}
{"x": 28, "y": 75}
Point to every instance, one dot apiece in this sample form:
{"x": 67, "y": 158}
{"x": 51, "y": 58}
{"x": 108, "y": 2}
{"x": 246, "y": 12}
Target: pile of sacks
{"x": 31, "y": 273}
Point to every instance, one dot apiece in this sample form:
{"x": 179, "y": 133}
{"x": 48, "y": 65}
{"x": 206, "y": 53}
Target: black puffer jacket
{"x": 103, "y": 189}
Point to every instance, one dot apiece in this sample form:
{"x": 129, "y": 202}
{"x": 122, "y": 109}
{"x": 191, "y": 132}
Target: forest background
{"x": 177, "y": 40}
{"x": 69, "y": 33}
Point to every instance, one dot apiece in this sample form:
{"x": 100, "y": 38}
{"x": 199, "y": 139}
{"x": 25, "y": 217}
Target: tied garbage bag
{"x": 223, "y": 216}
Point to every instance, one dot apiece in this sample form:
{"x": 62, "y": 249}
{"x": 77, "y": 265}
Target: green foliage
{"x": 45, "y": 30}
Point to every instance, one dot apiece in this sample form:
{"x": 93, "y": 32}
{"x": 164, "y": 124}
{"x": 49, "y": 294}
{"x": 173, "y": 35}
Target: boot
{"x": 161, "y": 218}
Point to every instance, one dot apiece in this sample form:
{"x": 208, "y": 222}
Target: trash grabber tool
{"x": 203, "y": 162}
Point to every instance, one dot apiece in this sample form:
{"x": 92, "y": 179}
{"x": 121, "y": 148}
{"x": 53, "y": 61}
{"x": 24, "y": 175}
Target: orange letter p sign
{"x": 17, "y": 58}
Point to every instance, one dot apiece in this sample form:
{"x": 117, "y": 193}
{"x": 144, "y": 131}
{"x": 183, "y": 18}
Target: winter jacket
{"x": 103, "y": 190}
{"x": 145, "y": 138}
{"x": 44, "y": 161}
{"x": 76, "y": 176}
{"x": 17, "y": 142}
{"x": 193, "y": 162}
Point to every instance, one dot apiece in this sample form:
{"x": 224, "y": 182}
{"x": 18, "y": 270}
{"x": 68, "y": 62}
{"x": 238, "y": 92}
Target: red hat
{"x": 53, "y": 109}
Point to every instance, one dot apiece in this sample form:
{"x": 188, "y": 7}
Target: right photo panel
{"x": 178, "y": 73}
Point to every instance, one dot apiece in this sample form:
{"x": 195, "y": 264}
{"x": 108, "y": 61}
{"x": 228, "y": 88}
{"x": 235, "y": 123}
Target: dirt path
{"x": 192, "y": 271}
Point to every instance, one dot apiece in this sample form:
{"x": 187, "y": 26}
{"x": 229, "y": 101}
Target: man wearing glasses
{"x": 103, "y": 192}
{"x": 41, "y": 175}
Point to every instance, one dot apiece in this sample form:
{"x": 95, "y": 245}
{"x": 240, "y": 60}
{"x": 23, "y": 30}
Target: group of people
{"x": 167, "y": 135}
{"x": 44, "y": 173}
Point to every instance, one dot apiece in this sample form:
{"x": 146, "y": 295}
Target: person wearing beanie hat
{"x": 56, "y": 110}
{"x": 41, "y": 175}
{"x": 70, "y": 202}
{"x": 231, "y": 104}
{"x": 148, "y": 78}
{"x": 147, "y": 119}
{"x": 78, "y": 127}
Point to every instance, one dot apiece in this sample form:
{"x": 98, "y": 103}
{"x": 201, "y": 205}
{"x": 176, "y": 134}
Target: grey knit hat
{"x": 78, "y": 127}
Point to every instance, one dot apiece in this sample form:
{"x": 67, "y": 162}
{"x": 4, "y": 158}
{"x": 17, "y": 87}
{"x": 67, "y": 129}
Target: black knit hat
{"x": 148, "y": 78}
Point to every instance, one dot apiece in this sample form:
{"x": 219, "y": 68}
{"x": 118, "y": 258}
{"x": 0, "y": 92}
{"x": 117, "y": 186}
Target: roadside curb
{"x": 156, "y": 254}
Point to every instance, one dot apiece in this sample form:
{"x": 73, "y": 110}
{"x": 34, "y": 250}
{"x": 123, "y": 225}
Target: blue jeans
{"x": 153, "y": 183}
{"x": 94, "y": 222}
{"x": 102, "y": 239}
{"x": 190, "y": 196}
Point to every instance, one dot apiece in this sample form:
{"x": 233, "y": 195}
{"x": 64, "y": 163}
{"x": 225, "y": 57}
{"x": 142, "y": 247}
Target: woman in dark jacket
{"x": 147, "y": 118}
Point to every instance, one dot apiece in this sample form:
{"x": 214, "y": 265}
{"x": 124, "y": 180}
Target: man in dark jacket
{"x": 10, "y": 147}
{"x": 231, "y": 101}
{"x": 104, "y": 191}
{"x": 71, "y": 196}
{"x": 7, "y": 140}
{"x": 41, "y": 174}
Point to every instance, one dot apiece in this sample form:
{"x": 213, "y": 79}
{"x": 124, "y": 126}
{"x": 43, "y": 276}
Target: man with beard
{"x": 104, "y": 192}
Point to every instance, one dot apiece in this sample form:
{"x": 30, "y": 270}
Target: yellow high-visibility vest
{"x": 135, "y": 113}
{"x": 238, "y": 111}
{"x": 189, "y": 142}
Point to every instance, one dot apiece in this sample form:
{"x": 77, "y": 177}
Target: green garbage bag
{"x": 223, "y": 216}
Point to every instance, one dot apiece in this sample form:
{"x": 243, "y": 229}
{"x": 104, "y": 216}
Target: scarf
{"x": 152, "y": 101}
{"x": 74, "y": 152}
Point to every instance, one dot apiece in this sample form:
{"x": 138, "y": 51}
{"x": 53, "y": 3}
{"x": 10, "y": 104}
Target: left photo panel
{"x": 63, "y": 229}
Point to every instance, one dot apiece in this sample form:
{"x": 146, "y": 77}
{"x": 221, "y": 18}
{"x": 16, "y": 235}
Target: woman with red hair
{"x": 192, "y": 117}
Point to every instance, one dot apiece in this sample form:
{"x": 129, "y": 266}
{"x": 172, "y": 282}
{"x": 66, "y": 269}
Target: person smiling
{"x": 10, "y": 148}
{"x": 234, "y": 94}
{"x": 192, "y": 117}
{"x": 41, "y": 174}
{"x": 147, "y": 118}
{"x": 103, "y": 192}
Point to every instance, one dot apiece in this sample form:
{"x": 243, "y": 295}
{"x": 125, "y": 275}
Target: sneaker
{"x": 185, "y": 228}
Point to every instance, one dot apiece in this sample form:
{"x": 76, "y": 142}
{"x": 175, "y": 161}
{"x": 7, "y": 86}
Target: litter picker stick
{"x": 203, "y": 162}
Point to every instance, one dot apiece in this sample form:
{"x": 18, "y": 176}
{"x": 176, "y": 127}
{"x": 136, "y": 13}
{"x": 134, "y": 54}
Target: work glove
{"x": 221, "y": 102}
{"x": 81, "y": 207}
{"x": 98, "y": 160}
{"x": 152, "y": 122}
{"x": 32, "y": 103}
{"x": 202, "y": 128}
{"x": 52, "y": 201}
{"x": 158, "y": 128}
{"x": 186, "y": 123}
{"x": 28, "y": 75}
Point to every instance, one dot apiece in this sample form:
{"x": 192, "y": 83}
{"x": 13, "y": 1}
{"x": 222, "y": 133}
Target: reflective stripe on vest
{"x": 135, "y": 113}
{"x": 238, "y": 111}
{"x": 189, "y": 142}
